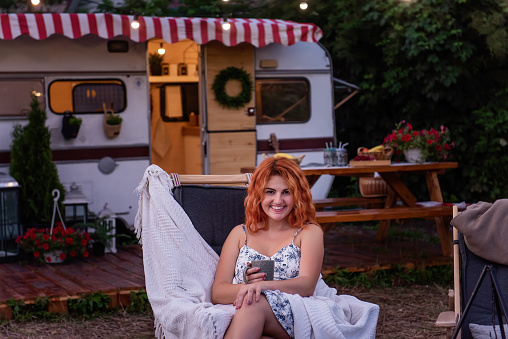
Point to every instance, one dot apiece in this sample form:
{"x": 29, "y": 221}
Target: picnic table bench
{"x": 400, "y": 203}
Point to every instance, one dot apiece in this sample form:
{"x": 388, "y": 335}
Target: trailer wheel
{"x": 219, "y": 87}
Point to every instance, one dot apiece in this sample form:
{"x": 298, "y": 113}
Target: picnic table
{"x": 391, "y": 210}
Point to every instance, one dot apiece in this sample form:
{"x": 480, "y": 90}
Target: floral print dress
{"x": 287, "y": 266}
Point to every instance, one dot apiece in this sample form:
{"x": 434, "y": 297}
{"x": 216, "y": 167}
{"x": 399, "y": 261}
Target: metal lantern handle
{"x": 56, "y": 196}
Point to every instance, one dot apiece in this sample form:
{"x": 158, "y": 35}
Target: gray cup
{"x": 266, "y": 266}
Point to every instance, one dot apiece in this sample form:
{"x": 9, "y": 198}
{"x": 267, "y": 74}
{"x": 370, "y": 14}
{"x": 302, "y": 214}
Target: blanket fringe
{"x": 159, "y": 331}
{"x": 142, "y": 190}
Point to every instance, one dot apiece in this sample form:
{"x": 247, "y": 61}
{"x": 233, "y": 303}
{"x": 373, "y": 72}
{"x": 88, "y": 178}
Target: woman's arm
{"x": 312, "y": 251}
{"x": 223, "y": 291}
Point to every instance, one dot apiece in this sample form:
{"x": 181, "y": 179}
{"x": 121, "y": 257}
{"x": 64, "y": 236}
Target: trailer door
{"x": 229, "y": 137}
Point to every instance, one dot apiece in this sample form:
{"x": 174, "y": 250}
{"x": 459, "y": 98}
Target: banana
{"x": 283, "y": 155}
{"x": 377, "y": 148}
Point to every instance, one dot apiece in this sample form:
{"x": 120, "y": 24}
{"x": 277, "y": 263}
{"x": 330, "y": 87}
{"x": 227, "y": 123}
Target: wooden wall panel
{"x": 218, "y": 58}
{"x": 229, "y": 152}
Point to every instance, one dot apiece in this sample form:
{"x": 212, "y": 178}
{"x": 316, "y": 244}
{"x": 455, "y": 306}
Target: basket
{"x": 373, "y": 187}
{"x": 384, "y": 154}
{"x": 111, "y": 131}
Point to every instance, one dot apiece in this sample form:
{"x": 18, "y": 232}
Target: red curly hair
{"x": 303, "y": 208}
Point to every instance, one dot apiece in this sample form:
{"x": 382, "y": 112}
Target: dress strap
{"x": 245, "y": 232}
{"x": 293, "y": 242}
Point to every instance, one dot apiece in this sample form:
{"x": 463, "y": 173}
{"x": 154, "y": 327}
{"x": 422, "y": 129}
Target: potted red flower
{"x": 54, "y": 245}
{"x": 432, "y": 144}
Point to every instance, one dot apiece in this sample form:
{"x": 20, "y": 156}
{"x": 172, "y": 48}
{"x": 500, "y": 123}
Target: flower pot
{"x": 156, "y": 69}
{"x": 112, "y": 131}
{"x": 69, "y": 131}
{"x": 98, "y": 249}
{"x": 56, "y": 257}
{"x": 414, "y": 155}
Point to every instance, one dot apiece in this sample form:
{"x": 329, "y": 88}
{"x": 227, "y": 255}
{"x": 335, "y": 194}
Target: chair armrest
{"x": 447, "y": 319}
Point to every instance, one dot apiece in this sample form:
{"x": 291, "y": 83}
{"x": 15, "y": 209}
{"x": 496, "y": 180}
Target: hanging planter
{"x": 112, "y": 123}
{"x": 219, "y": 87}
{"x": 70, "y": 125}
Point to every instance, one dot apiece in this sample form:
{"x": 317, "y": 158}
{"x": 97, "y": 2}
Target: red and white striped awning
{"x": 257, "y": 32}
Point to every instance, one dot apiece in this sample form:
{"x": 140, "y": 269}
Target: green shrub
{"x": 33, "y": 168}
{"x": 89, "y": 305}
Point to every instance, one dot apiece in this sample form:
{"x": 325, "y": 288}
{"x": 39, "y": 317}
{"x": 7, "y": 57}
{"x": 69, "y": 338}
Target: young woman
{"x": 280, "y": 226}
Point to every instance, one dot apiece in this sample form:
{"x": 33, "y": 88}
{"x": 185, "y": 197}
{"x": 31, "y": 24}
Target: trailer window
{"x": 178, "y": 101}
{"x": 16, "y": 95}
{"x": 86, "y": 96}
{"x": 282, "y": 100}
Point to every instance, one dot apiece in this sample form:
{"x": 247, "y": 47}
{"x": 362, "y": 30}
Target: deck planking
{"x": 116, "y": 274}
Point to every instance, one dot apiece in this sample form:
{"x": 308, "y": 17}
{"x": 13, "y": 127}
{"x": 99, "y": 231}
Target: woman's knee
{"x": 256, "y": 307}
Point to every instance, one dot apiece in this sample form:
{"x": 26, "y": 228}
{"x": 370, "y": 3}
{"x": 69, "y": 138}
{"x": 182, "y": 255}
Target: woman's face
{"x": 277, "y": 200}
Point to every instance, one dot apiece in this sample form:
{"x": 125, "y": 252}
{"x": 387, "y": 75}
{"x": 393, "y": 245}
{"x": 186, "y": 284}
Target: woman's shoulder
{"x": 312, "y": 232}
{"x": 237, "y": 231}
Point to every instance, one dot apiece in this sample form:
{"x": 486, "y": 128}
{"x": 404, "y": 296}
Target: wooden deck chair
{"x": 178, "y": 217}
{"x": 477, "y": 304}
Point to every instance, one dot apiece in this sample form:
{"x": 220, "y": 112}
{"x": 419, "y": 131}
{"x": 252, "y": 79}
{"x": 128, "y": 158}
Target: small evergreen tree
{"x": 33, "y": 168}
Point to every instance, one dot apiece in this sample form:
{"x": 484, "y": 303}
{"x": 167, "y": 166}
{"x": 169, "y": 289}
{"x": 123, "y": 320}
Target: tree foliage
{"x": 431, "y": 62}
{"x": 32, "y": 167}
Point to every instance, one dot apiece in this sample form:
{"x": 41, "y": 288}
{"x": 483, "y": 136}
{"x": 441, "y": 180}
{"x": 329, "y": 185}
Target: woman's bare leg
{"x": 255, "y": 320}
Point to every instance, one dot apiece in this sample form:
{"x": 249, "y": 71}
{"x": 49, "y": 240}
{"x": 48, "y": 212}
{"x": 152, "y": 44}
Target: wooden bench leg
{"x": 384, "y": 225}
{"x": 444, "y": 232}
{"x": 382, "y": 231}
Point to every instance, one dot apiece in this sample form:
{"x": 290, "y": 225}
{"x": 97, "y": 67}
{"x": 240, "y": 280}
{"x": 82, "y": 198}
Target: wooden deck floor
{"x": 118, "y": 274}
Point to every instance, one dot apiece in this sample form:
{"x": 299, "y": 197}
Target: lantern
{"x": 109, "y": 218}
{"x": 76, "y": 206}
{"x": 10, "y": 227}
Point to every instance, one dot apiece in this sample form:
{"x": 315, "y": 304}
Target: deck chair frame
{"x": 214, "y": 203}
{"x": 454, "y": 319}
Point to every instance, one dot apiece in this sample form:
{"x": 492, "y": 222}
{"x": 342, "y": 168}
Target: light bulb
{"x": 303, "y": 5}
{"x": 226, "y": 25}
{"x": 161, "y": 49}
{"x": 35, "y": 2}
{"x": 135, "y": 22}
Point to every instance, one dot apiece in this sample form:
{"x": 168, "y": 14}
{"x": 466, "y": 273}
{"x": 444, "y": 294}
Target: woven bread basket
{"x": 373, "y": 187}
{"x": 384, "y": 154}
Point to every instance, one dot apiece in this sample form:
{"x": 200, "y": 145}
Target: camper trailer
{"x": 95, "y": 66}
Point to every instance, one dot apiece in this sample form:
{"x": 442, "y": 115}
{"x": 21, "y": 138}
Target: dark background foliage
{"x": 429, "y": 62}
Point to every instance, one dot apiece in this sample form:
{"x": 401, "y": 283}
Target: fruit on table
{"x": 377, "y": 148}
{"x": 283, "y": 155}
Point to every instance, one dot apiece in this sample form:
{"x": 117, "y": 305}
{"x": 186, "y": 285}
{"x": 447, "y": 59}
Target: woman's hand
{"x": 252, "y": 277}
{"x": 248, "y": 293}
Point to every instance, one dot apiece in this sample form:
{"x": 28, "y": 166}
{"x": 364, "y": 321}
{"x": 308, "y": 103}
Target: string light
{"x": 36, "y": 2}
{"x": 161, "y": 49}
{"x": 303, "y": 5}
{"x": 135, "y": 22}
{"x": 226, "y": 25}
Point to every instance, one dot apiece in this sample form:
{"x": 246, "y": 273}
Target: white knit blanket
{"x": 180, "y": 267}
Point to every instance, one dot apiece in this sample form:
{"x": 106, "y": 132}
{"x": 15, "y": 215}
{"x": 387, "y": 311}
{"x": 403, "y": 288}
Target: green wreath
{"x": 219, "y": 88}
